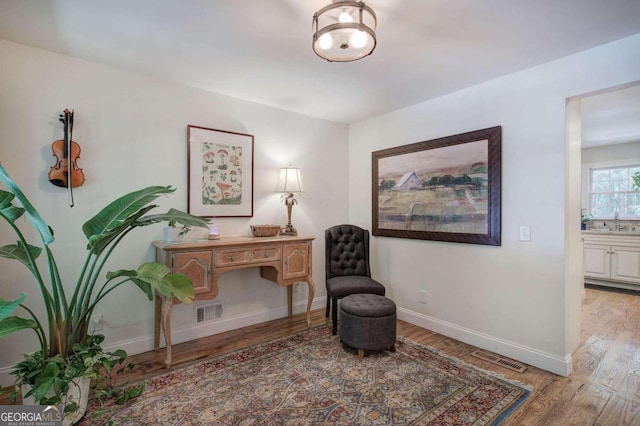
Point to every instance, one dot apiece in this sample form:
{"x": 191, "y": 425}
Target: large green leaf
{"x": 175, "y": 215}
{"x": 152, "y": 275}
{"x": 7, "y": 209}
{"x": 114, "y": 214}
{"x": 8, "y": 306}
{"x": 144, "y": 286}
{"x": 11, "y": 213}
{"x": 32, "y": 214}
{"x": 181, "y": 287}
{"x": 17, "y": 251}
{"x": 121, "y": 273}
{"x": 170, "y": 285}
{"x": 5, "y": 199}
{"x": 99, "y": 242}
{"x": 131, "y": 274}
{"x": 13, "y": 324}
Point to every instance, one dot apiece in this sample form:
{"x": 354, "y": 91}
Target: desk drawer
{"x": 247, "y": 256}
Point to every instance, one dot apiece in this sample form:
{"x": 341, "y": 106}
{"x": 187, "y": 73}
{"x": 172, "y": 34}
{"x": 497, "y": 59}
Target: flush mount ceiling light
{"x": 344, "y": 31}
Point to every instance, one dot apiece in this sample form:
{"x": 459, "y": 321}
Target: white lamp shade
{"x": 290, "y": 180}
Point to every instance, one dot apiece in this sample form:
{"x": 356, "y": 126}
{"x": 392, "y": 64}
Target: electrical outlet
{"x": 96, "y": 322}
{"x": 423, "y": 296}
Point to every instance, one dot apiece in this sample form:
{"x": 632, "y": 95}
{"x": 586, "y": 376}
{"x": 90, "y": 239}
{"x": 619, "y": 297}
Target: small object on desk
{"x": 265, "y": 230}
{"x": 214, "y": 234}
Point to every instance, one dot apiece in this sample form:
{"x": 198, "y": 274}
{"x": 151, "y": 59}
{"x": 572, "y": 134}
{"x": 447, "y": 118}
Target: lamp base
{"x": 289, "y": 230}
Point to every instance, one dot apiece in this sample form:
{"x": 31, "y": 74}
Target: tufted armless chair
{"x": 347, "y": 266}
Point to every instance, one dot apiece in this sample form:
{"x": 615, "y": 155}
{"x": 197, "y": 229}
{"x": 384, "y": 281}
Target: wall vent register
{"x": 209, "y": 312}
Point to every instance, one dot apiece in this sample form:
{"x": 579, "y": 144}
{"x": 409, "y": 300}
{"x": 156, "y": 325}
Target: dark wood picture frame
{"x": 220, "y": 172}
{"x": 445, "y": 189}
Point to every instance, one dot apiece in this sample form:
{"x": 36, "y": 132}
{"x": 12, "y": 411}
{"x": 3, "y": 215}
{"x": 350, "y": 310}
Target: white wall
{"x": 624, "y": 152}
{"x": 512, "y": 299}
{"x": 132, "y": 132}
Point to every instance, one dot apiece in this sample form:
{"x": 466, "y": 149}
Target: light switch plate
{"x": 525, "y": 233}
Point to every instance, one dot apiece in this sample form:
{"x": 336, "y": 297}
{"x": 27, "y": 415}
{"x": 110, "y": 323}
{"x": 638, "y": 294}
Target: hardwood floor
{"x": 604, "y": 388}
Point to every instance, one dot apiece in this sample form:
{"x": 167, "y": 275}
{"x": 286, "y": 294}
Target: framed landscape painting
{"x": 220, "y": 165}
{"x": 446, "y": 189}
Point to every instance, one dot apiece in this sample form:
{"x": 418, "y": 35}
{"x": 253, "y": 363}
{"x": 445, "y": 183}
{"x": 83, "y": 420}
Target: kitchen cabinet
{"x": 612, "y": 259}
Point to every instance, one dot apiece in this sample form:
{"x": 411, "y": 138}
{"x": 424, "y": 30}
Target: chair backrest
{"x": 347, "y": 251}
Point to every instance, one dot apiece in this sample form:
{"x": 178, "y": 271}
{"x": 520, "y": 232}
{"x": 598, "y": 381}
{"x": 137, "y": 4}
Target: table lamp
{"x": 290, "y": 182}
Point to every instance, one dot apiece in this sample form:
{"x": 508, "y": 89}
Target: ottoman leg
{"x": 360, "y": 353}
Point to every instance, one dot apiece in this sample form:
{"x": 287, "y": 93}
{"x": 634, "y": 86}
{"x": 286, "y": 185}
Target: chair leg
{"x": 334, "y": 315}
{"x": 326, "y": 314}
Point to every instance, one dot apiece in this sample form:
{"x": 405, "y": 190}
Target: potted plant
{"x": 636, "y": 181}
{"x": 67, "y": 349}
{"x": 175, "y": 234}
{"x": 584, "y": 218}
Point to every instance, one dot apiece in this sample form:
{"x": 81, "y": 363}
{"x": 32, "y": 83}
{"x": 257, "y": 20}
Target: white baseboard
{"x": 145, "y": 343}
{"x": 185, "y": 334}
{"x": 530, "y": 356}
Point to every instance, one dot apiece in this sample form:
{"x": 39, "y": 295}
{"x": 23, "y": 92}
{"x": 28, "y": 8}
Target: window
{"x": 611, "y": 190}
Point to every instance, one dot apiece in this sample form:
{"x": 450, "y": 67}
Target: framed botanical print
{"x": 220, "y": 165}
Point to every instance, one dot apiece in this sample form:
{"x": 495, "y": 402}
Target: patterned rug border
{"x": 404, "y": 346}
{"x": 497, "y": 376}
{"x": 452, "y": 358}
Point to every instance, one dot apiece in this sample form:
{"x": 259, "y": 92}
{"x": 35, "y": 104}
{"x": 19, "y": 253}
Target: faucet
{"x": 617, "y": 219}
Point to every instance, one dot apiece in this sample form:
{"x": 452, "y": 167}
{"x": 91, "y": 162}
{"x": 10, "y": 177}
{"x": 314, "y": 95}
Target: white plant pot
{"x": 78, "y": 392}
{"x": 172, "y": 234}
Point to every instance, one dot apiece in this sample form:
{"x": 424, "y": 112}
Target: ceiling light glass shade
{"x": 345, "y": 17}
{"x": 344, "y": 31}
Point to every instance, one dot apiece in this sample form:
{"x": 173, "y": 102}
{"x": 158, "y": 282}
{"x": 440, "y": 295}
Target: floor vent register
{"x": 499, "y": 360}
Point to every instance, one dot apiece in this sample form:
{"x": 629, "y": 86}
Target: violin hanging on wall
{"x": 66, "y": 173}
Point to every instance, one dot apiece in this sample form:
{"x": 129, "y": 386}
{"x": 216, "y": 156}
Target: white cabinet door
{"x": 597, "y": 261}
{"x": 625, "y": 264}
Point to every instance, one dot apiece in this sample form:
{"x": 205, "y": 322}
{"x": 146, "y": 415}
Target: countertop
{"x": 609, "y": 232}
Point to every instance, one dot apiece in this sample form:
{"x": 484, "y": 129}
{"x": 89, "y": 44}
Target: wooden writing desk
{"x": 283, "y": 260}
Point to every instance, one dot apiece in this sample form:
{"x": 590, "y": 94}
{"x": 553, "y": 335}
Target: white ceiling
{"x": 260, "y": 50}
{"x": 611, "y": 117}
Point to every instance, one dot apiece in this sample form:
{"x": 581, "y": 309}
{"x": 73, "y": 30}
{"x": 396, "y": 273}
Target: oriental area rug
{"x": 310, "y": 379}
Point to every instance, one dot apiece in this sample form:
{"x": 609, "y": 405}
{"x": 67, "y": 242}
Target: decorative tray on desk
{"x": 265, "y": 230}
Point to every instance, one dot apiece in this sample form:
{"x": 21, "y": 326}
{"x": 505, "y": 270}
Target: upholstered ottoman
{"x": 368, "y": 322}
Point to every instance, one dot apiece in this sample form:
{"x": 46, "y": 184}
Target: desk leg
{"x": 290, "y": 299}
{"x": 158, "y": 313}
{"x": 166, "y": 326}
{"x": 312, "y": 290}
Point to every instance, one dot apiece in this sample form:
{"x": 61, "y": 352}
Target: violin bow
{"x": 69, "y": 118}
